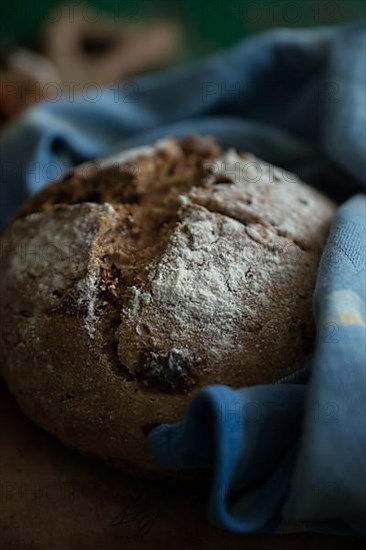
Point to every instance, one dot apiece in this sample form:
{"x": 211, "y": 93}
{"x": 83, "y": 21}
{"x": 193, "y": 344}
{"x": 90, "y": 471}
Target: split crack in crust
{"x": 150, "y": 215}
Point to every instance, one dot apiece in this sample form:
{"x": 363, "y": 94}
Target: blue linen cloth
{"x": 291, "y": 455}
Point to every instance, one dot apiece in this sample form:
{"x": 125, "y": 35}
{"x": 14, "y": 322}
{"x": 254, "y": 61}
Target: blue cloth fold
{"x": 291, "y": 455}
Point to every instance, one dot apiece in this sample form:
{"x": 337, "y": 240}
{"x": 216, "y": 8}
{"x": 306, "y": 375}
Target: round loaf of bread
{"x": 137, "y": 280}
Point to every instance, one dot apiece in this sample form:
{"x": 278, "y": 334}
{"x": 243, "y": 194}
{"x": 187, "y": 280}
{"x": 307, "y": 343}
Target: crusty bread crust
{"x": 134, "y": 282}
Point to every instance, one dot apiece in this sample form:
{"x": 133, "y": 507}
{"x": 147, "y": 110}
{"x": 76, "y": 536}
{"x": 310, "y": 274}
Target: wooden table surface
{"x": 52, "y": 498}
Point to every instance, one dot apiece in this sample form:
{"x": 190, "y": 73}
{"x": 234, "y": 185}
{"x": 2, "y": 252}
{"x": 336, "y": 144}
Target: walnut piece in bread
{"x": 133, "y": 282}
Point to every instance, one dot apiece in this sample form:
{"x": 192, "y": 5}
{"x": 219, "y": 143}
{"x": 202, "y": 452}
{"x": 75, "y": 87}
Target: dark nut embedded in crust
{"x": 168, "y": 372}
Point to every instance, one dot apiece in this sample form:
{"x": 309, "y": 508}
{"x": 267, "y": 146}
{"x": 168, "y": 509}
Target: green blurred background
{"x": 208, "y": 24}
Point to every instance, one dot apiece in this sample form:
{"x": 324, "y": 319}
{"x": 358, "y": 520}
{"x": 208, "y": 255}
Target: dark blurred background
{"x": 208, "y": 24}
{"x": 104, "y": 41}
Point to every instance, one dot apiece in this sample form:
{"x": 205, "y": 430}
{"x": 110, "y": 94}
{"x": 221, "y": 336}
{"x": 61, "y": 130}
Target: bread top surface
{"x": 186, "y": 263}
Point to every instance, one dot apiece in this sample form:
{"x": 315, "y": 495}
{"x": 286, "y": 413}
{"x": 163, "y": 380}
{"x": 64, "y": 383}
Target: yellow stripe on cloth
{"x": 344, "y": 308}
